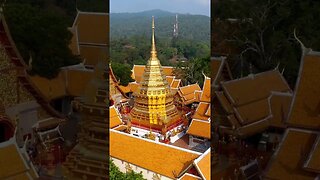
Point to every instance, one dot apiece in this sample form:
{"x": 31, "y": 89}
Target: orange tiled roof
{"x": 287, "y": 160}
{"x": 313, "y": 161}
{"x": 224, "y": 102}
{"x": 92, "y": 27}
{"x": 221, "y": 70}
{"x": 189, "y": 89}
{"x": 133, "y": 86}
{"x": 128, "y": 148}
{"x": 205, "y": 95}
{"x": 203, "y": 164}
{"x": 253, "y": 112}
{"x": 244, "y": 90}
{"x": 93, "y": 54}
{"x": 114, "y": 117}
{"x": 199, "y": 128}
{"x": 65, "y": 84}
{"x": 197, "y": 95}
{"x": 170, "y": 79}
{"x": 188, "y": 93}
{"x": 216, "y": 64}
{"x": 175, "y": 83}
{"x": 208, "y": 112}
{"x": 250, "y": 111}
{"x": 90, "y": 36}
{"x": 189, "y": 97}
{"x": 305, "y": 105}
{"x": 280, "y": 106}
{"x": 201, "y": 110}
{"x": 125, "y": 89}
{"x": 12, "y": 162}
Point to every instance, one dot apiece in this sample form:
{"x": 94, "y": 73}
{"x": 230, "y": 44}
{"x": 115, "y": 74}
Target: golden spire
{"x": 154, "y": 98}
{"x": 153, "y": 46}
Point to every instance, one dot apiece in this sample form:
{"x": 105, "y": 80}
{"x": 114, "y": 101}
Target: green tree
{"x": 116, "y": 174}
{"x": 122, "y": 72}
{"x": 263, "y": 36}
{"x": 41, "y": 35}
{"x": 192, "y": 71}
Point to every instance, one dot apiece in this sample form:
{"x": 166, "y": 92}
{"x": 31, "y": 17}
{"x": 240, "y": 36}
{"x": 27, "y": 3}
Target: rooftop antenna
{"x": 175, "y": 27}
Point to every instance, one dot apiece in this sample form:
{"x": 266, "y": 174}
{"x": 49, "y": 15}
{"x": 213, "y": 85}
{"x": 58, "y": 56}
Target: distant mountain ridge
{"x": 194, "y": 27}
{"x": 154, "y": 12}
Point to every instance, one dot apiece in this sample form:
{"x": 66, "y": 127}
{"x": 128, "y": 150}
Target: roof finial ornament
{"x": 153, "y": 41}
{"x": 277, "y": 67}
{"x": 203, "y": 74}
{"x": 2, "y": 6}
{"x": 303, "y": 48}
{"x": 77, "y": 6}
{"x": 283, "y": 70}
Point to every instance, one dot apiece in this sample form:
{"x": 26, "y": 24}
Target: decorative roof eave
{"x": 304, "y": 52}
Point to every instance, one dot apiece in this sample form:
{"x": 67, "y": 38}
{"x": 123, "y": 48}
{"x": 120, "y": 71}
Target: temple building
{"x": 154, "y": 111}
{"x": 169, "y": 162}
{"x": 87, "y": 160}
{"x": 303, "y": 127}
{"x": 166, "y": 117}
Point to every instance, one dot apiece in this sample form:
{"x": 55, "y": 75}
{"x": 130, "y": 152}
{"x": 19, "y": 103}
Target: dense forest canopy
{"x": 131, "y": 41}
{"x": 39, "y": 29}
{"x": 191, "y": 27}
{"x": 262, "y": 36}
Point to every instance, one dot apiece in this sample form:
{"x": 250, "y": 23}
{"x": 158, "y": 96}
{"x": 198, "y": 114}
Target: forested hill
{"x": 191, "y": 27}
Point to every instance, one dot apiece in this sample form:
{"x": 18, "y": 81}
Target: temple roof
{"x": 203, "y": 164}
{"x": 14, "y": 162}
{"x": 313, "y": 161}
{"x": 304, "y": 111}
{"x": 206, "y": 90}
{"x": 200, "y": 128}
{"x": 249, "y": 111}
{"x": 92, "y": 27}
{"x": 244, "y": 90}
{"x": 188, "y": 93}
{"x": 301, "y": 160}
{"x": 202, "y": 111}
{"x": 128, "y": 148}
{"x": 221, "y": 70}
{"x": 288, "y": 160}
{"x": 65, "y": 84}
{"x": 90, "y": 36}
{"x": 114, "y": 117}
{"x": 138, "y": 70}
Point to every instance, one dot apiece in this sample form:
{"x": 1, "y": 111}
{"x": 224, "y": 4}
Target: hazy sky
{"x": 179, "y": 6}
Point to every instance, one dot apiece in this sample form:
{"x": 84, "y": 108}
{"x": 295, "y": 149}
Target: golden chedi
{"x": 154, "y": 108}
